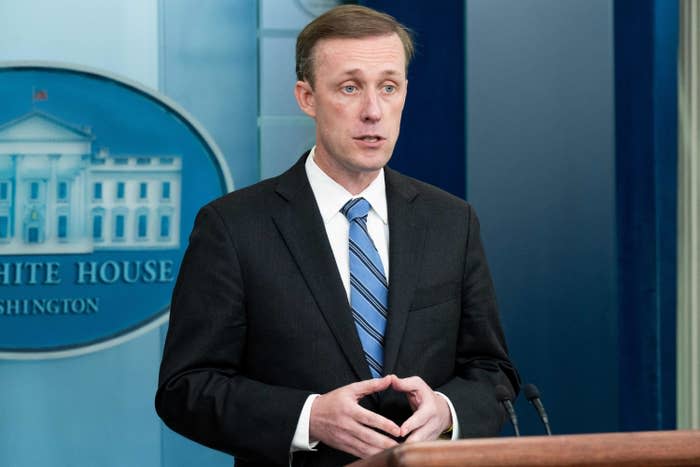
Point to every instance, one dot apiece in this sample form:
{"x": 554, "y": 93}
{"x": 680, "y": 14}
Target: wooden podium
{"x": 649, "y": 448}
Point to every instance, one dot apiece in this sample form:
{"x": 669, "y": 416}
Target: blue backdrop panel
{"x": 432, "y": 145}
{"x": 572, "y": 221}
{"x": 67, "y": 127}
{"x": 92, "y": 410}
{"x": 540, "y": 172}
{"x": 209, "y": 65}
{"x": 646, "y": 38}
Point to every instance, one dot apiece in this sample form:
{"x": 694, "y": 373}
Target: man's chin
{"x": 371, "y": 161}
{"x": 368, "y": 169}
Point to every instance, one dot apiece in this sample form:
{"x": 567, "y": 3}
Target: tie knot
{"x": 357, "y": 207}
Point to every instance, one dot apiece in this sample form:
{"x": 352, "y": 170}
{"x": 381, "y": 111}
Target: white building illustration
{"x": 58, "y": 195}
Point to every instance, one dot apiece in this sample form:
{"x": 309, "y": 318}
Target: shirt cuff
{"x": 455, "y": 421}
{"x": 301, "y": 441}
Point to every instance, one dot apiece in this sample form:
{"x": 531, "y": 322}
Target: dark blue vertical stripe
{"x": 666, "y": 19}
{"x": 432, "y": 142}
{"x": 645, "y": 86}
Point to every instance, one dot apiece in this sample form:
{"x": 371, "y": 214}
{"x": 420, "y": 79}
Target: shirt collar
{"x": 331, "y": 196}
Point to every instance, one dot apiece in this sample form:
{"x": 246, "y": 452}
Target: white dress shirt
{"x": 330, "y": 198}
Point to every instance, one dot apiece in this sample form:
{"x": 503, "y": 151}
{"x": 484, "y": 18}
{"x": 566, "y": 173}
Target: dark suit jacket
{"x": 260, "y": 319}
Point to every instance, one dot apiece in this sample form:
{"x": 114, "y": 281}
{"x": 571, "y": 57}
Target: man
{"x": 340, "y": 308}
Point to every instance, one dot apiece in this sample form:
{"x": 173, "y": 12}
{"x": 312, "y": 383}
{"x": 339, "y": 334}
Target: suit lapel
{"x": 406, "y": 240}
{"x": 300, "y": 224}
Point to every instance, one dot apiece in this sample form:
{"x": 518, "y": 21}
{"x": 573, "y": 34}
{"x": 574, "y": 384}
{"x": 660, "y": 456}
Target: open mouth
{"x": 370, "y": 138}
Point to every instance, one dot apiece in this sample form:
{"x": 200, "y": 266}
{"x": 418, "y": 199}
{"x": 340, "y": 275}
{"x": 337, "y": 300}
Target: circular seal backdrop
{"x": 100, "y": 181}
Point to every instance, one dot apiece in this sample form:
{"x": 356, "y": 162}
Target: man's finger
{"x": 347, "y": 442}
{"x": 370, "y": 386}
{"x": 412, "y": 383}
{"x": 359, "y": 449}
{"x": 374, "y": 438}
{"x": 415, "y": 421}
{"x": 363, "y": 442}
{"x": 424, "y": 433}
{"x": 374, "y": 420}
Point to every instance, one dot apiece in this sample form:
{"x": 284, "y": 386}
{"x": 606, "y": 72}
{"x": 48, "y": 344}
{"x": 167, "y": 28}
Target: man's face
{"x": 357, "y": 99}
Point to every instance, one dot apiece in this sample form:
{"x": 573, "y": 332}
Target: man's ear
{"x": 305, "y": 98}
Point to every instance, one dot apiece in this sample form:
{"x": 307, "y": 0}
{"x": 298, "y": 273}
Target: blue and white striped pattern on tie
{"x": 368, "y": 286}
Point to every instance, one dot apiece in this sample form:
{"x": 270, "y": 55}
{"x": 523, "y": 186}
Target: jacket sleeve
{"x": 203, "y": 391}
{"x": 482, "y": 360}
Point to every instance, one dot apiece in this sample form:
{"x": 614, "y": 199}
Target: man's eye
{"x": 349, "y": 89}
{"x": 389, "y": 88}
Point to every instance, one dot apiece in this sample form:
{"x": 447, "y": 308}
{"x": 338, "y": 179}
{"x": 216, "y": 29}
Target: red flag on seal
{"x": 40, "y": 95}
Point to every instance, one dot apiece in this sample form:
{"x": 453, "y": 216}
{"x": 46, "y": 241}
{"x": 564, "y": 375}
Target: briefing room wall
{"x": 572, "y": 111}
{"x": 540, "y": 170}
{"x": 97, "y": 409}
{"x": 93, "y": 409}
{"x": 570, "y": 161}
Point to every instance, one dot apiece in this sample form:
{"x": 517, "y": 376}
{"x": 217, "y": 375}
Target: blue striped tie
{"x": 368, "y": 286}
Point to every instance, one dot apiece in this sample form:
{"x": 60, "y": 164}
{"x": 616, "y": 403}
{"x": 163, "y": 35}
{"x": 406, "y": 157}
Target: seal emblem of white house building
{"x": 92, "y": 175}
{"x": 60, "y": 195}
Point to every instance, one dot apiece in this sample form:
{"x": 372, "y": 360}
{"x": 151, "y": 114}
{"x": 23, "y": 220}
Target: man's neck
{"x": 354, "y": 182}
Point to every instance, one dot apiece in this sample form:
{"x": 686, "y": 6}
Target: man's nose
{"x": 371, "y": 107}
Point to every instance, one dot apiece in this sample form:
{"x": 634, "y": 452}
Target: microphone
{"x": 504, "y": 397}
{"x": 533, "y": 395}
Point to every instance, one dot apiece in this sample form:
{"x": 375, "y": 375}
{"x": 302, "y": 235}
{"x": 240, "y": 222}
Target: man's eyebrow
{"x": 356, "y": 71}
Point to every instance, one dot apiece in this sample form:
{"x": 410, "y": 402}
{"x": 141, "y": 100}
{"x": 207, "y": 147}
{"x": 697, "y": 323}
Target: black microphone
{"x": 504, "y": 397}
{"x": 533, "y": 395}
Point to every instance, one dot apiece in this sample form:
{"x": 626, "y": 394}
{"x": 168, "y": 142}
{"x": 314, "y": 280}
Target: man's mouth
{"x": 370, "y": 138}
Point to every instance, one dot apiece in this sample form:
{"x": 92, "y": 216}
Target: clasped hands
{"x": 338, "y": 420}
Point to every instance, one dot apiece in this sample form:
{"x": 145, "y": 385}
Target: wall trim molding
{"x": 688, "y": 363}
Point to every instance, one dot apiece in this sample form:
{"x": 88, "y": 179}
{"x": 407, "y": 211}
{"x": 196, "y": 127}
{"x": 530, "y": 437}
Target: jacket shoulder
{"x": 248, "y": 199}
{"x": 427, "y": 194}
